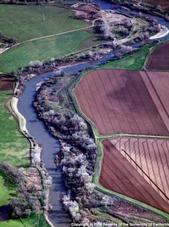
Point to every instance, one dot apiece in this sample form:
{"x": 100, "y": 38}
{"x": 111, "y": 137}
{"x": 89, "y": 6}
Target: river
{"x": 50, "y": 144}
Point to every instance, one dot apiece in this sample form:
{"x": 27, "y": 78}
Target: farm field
{"x": 13, "y": 146}
{"x": 119, "y": 175}
{"x": 7, "y": 190}
{"x": 122, "y": 102}
{"x": 163, "y": 3}
{"x": 34, "y": 220}
{"x": 36, "y": 22}
{"x": 160, "y": 83}
{"x": 150, "y": 157}
{"x": 159, "y": 59}
{"x": 45, "y": 49}
{"x": 6, "y": 83}
{"x": 25, "y": 22}
{"x": 134, "y": 61}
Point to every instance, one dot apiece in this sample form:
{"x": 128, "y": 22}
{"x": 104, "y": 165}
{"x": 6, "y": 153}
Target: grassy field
{"x": 7, "y": 190}
{"x": 33, "y": 221}
{"x": 133, "y": 61}
{"x": 45, "y": 49}
{"x": 26, "y": 22}
{"x": 13, "y": 146}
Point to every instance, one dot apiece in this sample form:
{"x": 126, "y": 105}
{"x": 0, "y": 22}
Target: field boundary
{"x": 114, "y": 135}
{"x": 151, "y": 50}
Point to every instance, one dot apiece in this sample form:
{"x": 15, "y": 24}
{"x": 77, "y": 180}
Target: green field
{"x": 7, "y": 190}
{"x": 13, "y": 146}
{"x": 33, "y": 221}
{"x": 133, "y": 61}
{"x": 45, "y": 49}
{"x": 25, "y": 22}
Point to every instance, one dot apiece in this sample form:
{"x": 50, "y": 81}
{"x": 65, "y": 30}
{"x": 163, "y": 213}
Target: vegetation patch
{"x": 36, "y": 220}
{"x": 7, "y": 189}
{"x": 134, "y": 61}
{"x": 13, "y": 146}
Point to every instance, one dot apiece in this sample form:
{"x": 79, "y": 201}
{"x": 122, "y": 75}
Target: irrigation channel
{"x": 50, "y": 144}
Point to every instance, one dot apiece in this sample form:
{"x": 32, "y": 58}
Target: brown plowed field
{"x": 160, "y": 82}
{"x": 119, "y": 175}
{"x": 159, "y": 59}
{"x": 119, "y": 101}
{"x": 163, "y": 3}
{"x": 6, "y": 83}
{"x": 151, "y": 159}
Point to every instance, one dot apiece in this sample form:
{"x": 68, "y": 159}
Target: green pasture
{"x": 25, "y": 22}
{"x": 36, "y": 220}
{"x": 7, "y": 189}
{"x": 13, "y": 146}
{"x": 45, "y": 49}
{"x": 134, "y": 61}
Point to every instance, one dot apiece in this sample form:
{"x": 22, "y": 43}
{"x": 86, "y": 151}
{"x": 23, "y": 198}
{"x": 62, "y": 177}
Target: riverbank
{"x": 35, "y": 153}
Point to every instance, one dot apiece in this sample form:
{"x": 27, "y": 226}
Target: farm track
{"x": 57, "y": 34}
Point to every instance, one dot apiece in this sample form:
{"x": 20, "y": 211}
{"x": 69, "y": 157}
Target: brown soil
{"x": 119, "y": 101}
{"x": 119, "y": 175}
{"x": 7, "y": 83}
{"x": 150, "y": 157}
{"x": 159, "y": 59}
{"x": 163, "y": 3}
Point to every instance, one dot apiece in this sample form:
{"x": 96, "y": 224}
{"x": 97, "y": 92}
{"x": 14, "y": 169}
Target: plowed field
{"x": 163, "y": 3}
{"x": 126, "y": 175}
{"x": 120, "y": 101}
{"x": 159, "y": 59}
{"x": 6, "y": 83}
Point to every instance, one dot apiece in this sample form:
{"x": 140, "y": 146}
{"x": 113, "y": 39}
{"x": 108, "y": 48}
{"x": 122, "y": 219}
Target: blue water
{"x": 50, "y": 145}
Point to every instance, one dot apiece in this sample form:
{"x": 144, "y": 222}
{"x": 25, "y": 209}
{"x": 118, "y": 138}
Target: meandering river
{"x": 50, "y": 144}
